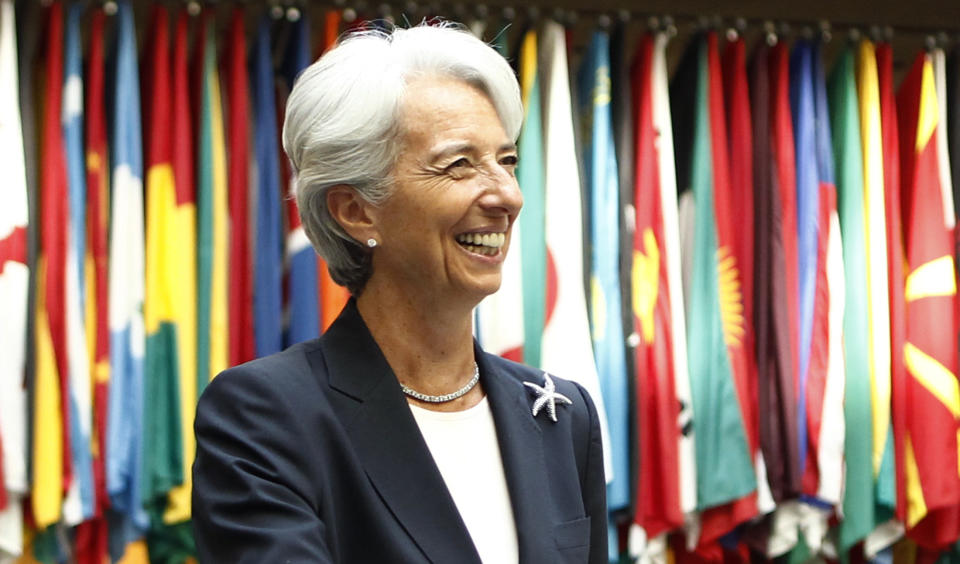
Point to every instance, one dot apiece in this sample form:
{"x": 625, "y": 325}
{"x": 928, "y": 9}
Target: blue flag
{"x": 303, "y": 317}
{"x": 125, "y": 416}
{"x": 600, "y": 168}
{"x": 808, "y": 206}
{"x": 268, "y": 262}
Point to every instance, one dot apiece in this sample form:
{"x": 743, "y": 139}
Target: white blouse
{"x": 465, "y": 448}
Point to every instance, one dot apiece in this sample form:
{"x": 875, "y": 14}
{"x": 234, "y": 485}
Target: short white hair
{"x": 343, "y": 115}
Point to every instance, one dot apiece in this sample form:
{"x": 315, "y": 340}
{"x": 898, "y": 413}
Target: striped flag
{"x": 871, "y": 140}
{"x": 212, "y": 217}
{"x": 51, "y": 435}
{"x": 14, "y": 280}
{"x": 242, "y": 331}
{"x": 79, "y": 504}
{"x": 930, "y": 444}
{"x": 858, "y": 509}
{"x": 268, "y": 254}
{"x": 185, "y": 216}
{"x": 501, "y": 317}
{"x": 91, "y": 535}
{"x": 126, "y": 284}
{"x": 164, "y": 291}
{"x": 302, "y": 307}
{"x": 605, "y": 311}
{"x": 825, "y": 412}
{"x": 565, "y": 349}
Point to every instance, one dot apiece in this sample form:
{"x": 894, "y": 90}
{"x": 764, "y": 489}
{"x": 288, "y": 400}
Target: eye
{"x": 460, "y": 163}
{"x": 509, "y": 160}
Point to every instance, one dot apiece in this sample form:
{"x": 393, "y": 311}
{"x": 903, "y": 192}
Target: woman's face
{"x": 445, "y": 229}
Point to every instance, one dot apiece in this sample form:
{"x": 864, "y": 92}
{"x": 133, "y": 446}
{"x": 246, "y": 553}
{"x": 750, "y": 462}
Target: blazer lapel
{"x": 521, "y": 447}
{"x": 389, "y": 443}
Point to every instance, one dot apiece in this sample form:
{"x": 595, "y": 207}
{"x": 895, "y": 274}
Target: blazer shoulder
{"x": 291, "y": 373}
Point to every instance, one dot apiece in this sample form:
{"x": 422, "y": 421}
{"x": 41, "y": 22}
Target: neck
{"x": 428, "y": 344}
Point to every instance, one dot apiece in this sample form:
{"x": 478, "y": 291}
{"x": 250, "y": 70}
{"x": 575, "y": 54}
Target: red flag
{"x": 658, "y": 489}
{"x": 895, "y": 260}
{"x": 242, "y": 347}
{"x": 54, "y": 221}
{"x": 932, "y": 401}
{"x": 91, "y": 535}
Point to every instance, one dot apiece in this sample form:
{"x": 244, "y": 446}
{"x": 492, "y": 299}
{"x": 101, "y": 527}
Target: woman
{"x": 394, "y": 438}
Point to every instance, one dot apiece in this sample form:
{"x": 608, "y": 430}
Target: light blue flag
{"x": 303, "y": 315}
{"x": 600, "y": 171}
{"x": 268, "y": 261}
{"x": 71, "y": 117}
{"x": 125, "y": 413}
{"x": 808, "y": 210}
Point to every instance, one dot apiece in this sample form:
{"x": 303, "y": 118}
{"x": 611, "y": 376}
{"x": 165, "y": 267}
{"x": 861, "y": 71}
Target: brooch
{"x": 547, "y": 396}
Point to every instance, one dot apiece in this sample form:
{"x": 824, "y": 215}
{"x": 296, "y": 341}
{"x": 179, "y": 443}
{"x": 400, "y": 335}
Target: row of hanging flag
{"x": 768, "y": 323}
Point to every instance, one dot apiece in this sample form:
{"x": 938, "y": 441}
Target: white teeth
{"x": 486, "y": 243}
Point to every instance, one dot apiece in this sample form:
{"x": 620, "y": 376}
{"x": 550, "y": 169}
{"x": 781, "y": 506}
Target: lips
{"x": 488, "y": 243}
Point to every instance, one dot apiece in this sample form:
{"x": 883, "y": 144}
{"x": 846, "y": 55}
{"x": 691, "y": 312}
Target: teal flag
{"x": 530, "y": 176}
{"x": 858, "y": 508}
{"x": 724, "y": 465}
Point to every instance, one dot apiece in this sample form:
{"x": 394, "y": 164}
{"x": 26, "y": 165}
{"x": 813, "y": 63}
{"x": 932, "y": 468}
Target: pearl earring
{"x": 371, "y": 242}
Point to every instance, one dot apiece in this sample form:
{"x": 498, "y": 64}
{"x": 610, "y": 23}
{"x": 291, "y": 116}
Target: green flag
{"x": 858, "y": 509}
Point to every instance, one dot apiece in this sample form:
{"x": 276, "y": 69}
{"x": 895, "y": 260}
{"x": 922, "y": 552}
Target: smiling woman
{"x": 394, "y": 438}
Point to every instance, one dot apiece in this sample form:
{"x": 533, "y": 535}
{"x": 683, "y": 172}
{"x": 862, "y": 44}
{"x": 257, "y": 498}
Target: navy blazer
{"x": 313, "y": 455}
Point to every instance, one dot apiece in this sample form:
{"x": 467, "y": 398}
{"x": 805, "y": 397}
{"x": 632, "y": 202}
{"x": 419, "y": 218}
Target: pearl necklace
{"x": 446, "y": 397}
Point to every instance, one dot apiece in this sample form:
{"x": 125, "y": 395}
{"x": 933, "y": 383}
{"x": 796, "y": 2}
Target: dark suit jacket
{"x": 313, "y": 455}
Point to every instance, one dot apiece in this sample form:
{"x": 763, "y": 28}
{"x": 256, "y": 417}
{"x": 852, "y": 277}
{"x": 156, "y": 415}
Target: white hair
{"x": 343, "y": 115}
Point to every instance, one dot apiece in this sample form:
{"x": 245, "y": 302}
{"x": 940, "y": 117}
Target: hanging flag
{"x": 825, "y": 379}
{"x": 268, "y": 254}
{"x": 213, "y": 325}
{"x": 953, "y": 127}
{"x": 51, "y": 397}
{"x": 302, "y": 307}
{"x": 606, "y": 322}
{"x": 858, "y": 507}
{"x": 79, "y": 504}
{"x": 895, "y": 260}
{"x": 185, "y": 215}
{"x": 242, "y": 328}
{"x": 127, "y": 342}
{"x": 91, "y": 535}
{"x": 877, "y": 285}
{"x": 776, "y": 392}
{"x": 656, "y": 297}
{"x": 740, "y": 144}
{"x": 501, "y": 317}
{"x": 14, "y": 280}
{"x": 565, "y": 349}
{"x": 932, "y": 486}
{"x": 332, "y": 295}
{"x": 531, "y": 177}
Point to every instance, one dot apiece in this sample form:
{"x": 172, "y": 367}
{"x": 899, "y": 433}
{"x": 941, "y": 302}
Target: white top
{"x": 464, "y": 445}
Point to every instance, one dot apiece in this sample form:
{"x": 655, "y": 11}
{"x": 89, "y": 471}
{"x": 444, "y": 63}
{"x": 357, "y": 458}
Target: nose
{"x": 502, "y": 193}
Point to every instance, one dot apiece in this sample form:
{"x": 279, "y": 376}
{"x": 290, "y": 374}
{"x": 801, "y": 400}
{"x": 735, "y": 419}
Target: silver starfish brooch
{"x": 547, "y": 396}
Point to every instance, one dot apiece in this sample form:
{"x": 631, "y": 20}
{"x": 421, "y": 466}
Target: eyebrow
{"x": 454, "y": 148}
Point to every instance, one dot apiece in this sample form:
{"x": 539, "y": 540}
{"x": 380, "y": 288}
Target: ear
{"x": 353, "y": 213}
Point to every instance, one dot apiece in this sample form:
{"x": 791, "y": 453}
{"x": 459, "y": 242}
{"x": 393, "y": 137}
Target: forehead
{"x": 436, "y": 107}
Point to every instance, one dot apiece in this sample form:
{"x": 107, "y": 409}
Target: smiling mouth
{"x": 488, "y": 244}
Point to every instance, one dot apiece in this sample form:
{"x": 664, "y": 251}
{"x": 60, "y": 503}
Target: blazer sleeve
{"x": 253, "y": 499}
{"x": 593, "y": 483}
